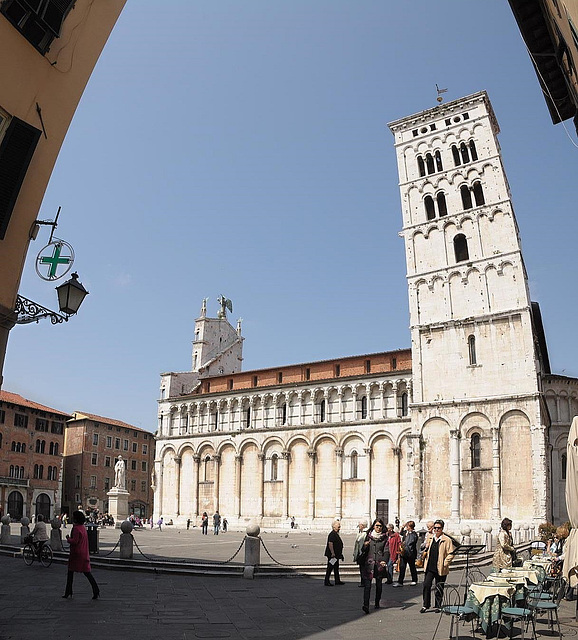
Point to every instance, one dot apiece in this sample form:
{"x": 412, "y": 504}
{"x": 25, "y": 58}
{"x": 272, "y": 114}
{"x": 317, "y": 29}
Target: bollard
{"x": 466, "y": 533}
{"x": 24, "y": 529}
{"x": 126, "y": 540}
{"x": 5, "y": 532}
{"x": 487, "y": 529}
{"x": 56, "y": 535}
{"x": 252, "y": 550}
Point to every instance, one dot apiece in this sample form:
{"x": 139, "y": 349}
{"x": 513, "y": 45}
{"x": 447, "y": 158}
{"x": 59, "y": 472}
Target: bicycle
{"x": 37, "y": 551}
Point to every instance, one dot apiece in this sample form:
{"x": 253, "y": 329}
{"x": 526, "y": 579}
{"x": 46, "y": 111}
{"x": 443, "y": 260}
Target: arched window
{"x": 284, "y": 413}
{"x": 38, "y": 446}
{"x": 466, "y": 197}
{"x": 429, "y": 163}
{"x": 475, "y": 451}
{"x": 56, "y": 448}
{"x": 353, "y": 462}
{"x": 364, "y": 407}
{"x": 13, "y": 446}
{"x": 322, "y": 411}
{"x": 16, "y": 504}
{"x": 473, "y": 151}
{"x": 472, "y": 349}
{"x": 438, "y": 157}
{"x": 36, "y": 471}
{"x": 563, "y": 465}
{"x": 248, "y": 418}
{"x": 430, "y": 210}
{"x": 420, "y": 166}
{"x": 51, "y": 449}
{"x": 478, "y": 194}
{"x": 456, "y": 154}
{"x": 215, "y": 420}
{"x": 442, "y": 206}
{"x": 461, "y": 248}
{"x": 464, "y": 152}
{"x": 404, "y": 404}
{"x": 42, "y": 446}
{"x": 23, "y": 447}
{"x": 11, "y": 472}
{"x": 207, "y": 468}
{"x": 274, "y": 466}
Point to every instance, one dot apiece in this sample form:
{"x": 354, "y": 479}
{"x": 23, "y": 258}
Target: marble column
{"x": 397, "y": 454}
{"x": 368, "y": 504}
{"x": 455, "y": 473}
{"x": 238, "y": 467}
{"x": 412, "y": 502}
{"x": 216, "y": 470}
{"x": 286, "y": 460}
{"x": 496, "y": 498}
{"x": 195, "y": 479}
{"x": 338, "y": 481}
{"x": 261, "y": 484}
{"x": 178, "y": 484}
{"x": 311, "y": 454}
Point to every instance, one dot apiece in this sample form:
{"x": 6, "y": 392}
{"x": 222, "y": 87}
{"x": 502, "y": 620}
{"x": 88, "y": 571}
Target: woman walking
{"x": 375, "y": 564}
{"x": 505, "y": 553}
{"x": 79, "y": 560}
{"x": 334, "y": 553}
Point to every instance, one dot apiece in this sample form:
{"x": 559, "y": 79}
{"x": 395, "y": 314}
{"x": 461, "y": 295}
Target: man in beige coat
{"x": 439, "y": 554}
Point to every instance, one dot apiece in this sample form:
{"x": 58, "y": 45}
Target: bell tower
{"x": 475, "y": 359}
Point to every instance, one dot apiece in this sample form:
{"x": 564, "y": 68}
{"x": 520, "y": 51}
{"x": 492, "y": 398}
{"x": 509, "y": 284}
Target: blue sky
{"x": 242, "y": 148}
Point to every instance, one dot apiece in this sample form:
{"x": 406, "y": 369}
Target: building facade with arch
{"x": 468, "y": 425}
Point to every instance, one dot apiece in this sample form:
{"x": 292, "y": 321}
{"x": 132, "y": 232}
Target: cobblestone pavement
{"x": 184, "y": 607}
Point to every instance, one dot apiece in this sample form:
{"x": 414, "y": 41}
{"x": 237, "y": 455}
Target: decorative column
{"x": 383, "y": 405}
{"x": 216, "y": 469}
{"x": 542, "y": 505}
{"x": 238, "y": 467}
{"x": 496, "y": 498}
{"x": 301, "y": 402}
{"x": 354, "y": 400}
{"x": 368, "y": 504}
{"x": 338, "y": 481}
{"x": 196, "y": 461}
{"x": 340, "y": 396}
{"x": 311, "y": 454}
{"x": 397, "y": 412}
{"x": 229, "y": 406}
{"x": 455, "y": 473}
{"x": 261, "y": 484}
{"x": 397, "y": 454}
{"x": 178, "y": 483}
{"x": 412, "y": 502}
{"x": 157, "y": 487}
{"x": 286, "y": 459}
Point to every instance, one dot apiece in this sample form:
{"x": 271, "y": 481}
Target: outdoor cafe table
{"x": 541, "y": 567}
{"x": 519, "y": 582}
{"x": 531, "y": 575}
{"x": 487, "y": 599}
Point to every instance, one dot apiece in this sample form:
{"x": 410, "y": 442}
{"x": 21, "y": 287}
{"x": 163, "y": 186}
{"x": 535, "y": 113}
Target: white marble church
{"x": 468, "y": 425}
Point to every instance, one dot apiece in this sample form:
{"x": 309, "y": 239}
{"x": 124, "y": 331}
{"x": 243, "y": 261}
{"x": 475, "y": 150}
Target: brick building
{"x": 31, "y": 445}
{"x": 92, "y": 444}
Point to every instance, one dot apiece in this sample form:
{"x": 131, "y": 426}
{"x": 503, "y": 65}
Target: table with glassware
{"x": 507, "y": 588}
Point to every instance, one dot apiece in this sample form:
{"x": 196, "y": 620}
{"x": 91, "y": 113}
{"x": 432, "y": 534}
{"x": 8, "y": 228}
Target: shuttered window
{"x": 16, "y": 150}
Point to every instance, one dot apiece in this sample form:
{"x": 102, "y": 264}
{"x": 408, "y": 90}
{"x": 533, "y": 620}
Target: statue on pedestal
{"x": 120, "y": 474}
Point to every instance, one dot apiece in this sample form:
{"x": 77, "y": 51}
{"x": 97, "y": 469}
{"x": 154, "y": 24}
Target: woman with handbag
{"x": 408, "y": 555}
{"x": 505, "y": 553}
{"x": 373, "y": 562}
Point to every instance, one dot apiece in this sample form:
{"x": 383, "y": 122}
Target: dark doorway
{"x": 43, "y": 506}
{"x": 15, "y": 505}
{"x": 382, "y": 510}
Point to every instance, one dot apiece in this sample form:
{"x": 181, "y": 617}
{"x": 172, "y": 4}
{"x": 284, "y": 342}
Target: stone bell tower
{"x": 475, "y": 362}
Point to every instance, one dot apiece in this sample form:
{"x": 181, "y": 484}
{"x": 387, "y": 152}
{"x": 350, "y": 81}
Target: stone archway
{"x": 42, "y": 506}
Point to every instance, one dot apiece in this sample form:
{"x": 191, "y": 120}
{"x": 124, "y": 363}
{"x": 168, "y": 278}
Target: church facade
{"x": 468, "y": 424}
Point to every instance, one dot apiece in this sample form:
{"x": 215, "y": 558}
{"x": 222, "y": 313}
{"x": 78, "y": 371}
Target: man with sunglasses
{"x": 439, "y": 555}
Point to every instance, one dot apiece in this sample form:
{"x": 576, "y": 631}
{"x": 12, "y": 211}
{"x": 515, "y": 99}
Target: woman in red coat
{"x": 79, "y": 560}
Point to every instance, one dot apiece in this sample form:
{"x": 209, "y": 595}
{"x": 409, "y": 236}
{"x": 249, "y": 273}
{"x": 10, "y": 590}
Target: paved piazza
{"x": 145, "y": 605}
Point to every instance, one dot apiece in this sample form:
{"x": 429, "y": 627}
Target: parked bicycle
{"x": 35, "y": 550}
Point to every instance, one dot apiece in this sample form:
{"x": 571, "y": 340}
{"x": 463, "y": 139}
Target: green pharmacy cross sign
{"x": 54, "y": 260}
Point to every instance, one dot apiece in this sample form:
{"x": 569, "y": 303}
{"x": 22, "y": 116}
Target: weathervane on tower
{"x": 440, "y": 91}
{"x": 225, "y": 304}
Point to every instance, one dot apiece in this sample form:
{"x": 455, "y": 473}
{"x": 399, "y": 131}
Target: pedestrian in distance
{"x": 79, "y": 559}
{"x": 225, "y": 525}
{"x": 204, "y": 523}
{"x": 375, "y": 560}
{"x": 333, "y": 553}
{"x": 394, "y": 550}
{"x": 439, "y": 555}
{"x": 357, "y": 546}
{"x": 160, "y": 523}
{"x": 216, "y": 523}
{"x": 408, "y": 554}
{"x": 188, "y": 523}
{"x": 292, "y": 522}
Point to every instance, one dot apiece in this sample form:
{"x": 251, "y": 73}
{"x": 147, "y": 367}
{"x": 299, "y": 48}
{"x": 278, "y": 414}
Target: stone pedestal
{"x": 118, "y": 505}
{"x": 252, "y": 550}
{"x": 5, "y": 532}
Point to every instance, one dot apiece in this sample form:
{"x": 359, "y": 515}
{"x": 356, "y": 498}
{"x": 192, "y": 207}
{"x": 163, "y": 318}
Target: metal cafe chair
{"x": 453, "y": 606}
{"x": 523, "y": 615}
{"x": 550, "y": 607}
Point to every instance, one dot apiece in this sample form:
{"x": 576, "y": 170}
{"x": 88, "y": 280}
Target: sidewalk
{"x": 148, "y": 606}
